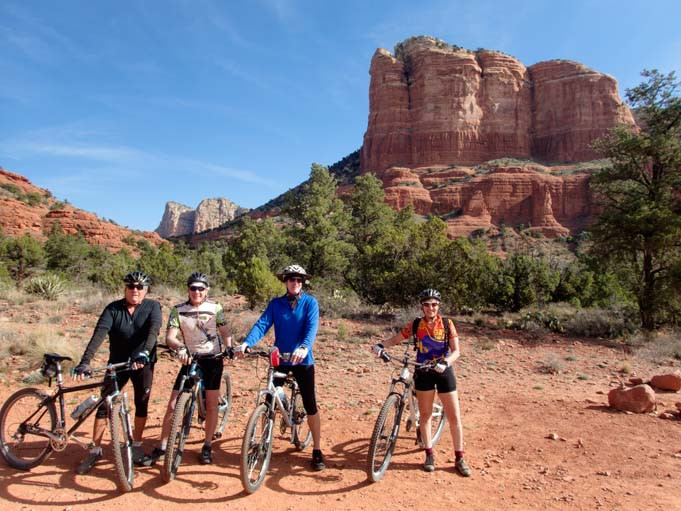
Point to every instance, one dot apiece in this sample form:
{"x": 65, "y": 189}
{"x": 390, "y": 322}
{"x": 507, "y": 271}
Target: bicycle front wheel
{"x": 224, "y": 405}
{"x": 302, "y": 436}
{"x": 438, "y": 421}
{"x": 121, "y": 444}
{"x": 256, "y": 448}
{"x": 25, "y": 420}
{"x": 179, "y": 431}
{"x": 384, "y": 437}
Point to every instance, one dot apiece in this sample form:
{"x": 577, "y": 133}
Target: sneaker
{"x": 206, "y": 457}
{"x": 462, "y": 467}
{"x": 429, "y": 464}
{"x": 318, "y": 460}
{"x": 89, "y": 462}
{"x": 137, "y": 454}
{"x": 156, "y": 455}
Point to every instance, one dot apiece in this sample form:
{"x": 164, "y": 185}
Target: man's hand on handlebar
{"x": 81, "y": 371}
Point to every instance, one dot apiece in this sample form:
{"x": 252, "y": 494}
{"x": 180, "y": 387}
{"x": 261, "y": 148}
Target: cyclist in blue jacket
{"x": 295, "y": 317}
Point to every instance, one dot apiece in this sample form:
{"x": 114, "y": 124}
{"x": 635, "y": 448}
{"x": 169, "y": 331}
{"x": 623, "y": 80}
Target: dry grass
{"x": 662, "y": 347}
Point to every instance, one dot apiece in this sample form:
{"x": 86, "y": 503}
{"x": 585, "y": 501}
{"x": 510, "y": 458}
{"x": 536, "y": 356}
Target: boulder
{"x": 638, "y": 399}
{"x": 669, "y": 381}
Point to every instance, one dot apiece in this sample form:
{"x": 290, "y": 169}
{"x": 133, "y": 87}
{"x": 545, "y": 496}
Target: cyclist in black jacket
{"x": 132, "y": 324}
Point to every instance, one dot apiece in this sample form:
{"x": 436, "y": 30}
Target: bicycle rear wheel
{"x": 121, "y": 444}
{"x": 384, "y": 437}
{"x": 179, "y": 431}
{"x": 256, "y": 448}
{"x": 224, "y": 404}
{"x": 25, "y": 418}
{"x": 302, "y": 436}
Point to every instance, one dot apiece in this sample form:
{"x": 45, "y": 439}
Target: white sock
{"x": 164, "y": 444}
{"x": 137, "y": 444}
{"x": 96, "y": 450}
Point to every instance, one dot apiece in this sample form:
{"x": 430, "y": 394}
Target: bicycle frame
{"x": 271, "y": 391}
{"x": 59, "y": 442}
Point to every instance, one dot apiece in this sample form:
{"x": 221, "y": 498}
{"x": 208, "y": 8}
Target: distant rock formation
{"x": 25, "y": 208}
{"x": 180, "y": 220}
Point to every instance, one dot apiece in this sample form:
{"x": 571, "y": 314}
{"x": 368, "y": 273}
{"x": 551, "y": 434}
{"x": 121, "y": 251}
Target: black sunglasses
{"x": 197, "y": 288}
{"x": 139, "y": 287}
{"x": 295, "y": 279}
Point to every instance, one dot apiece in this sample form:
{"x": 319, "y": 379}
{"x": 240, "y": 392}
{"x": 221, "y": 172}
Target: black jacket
{"x": 128, "y": 335}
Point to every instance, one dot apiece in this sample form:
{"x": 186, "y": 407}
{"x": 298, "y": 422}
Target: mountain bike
{"x": 387, "y": 428}
{"x": 31, "y": 426}
{"x": 256, "y": 448}
{"x": 192, "y": 396}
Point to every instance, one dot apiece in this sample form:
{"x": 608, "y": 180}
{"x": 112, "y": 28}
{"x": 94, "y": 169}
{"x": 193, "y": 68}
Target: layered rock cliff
{"x": 25, "y": 208}
{"x": 180, "y": 220}
{"x": 432, "y": 103}
{"x": 458, "y": 133}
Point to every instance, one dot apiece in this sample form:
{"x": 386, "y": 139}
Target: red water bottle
{"x": 274, "y": 356}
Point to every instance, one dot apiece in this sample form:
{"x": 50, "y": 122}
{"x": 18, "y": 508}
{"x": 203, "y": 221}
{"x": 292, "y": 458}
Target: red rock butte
{"x": 17, "y": 217}
{"x": 436, "y": 111}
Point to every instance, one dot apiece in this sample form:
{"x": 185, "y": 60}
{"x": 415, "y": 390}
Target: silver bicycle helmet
{"x": 198, "y": 277}
{"x": 429, "y": 293}
{"x": 137, "y": 277}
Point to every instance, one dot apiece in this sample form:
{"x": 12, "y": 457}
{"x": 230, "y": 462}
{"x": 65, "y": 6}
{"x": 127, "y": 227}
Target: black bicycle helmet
{"x": 198, "y": 277}
{"x": 429, "y": 293}
{"x": 293, "y": 270}
{"x": 137, "y": 277}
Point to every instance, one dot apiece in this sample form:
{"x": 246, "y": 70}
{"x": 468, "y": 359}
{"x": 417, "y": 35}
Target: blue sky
{"x": 120, "y": 106}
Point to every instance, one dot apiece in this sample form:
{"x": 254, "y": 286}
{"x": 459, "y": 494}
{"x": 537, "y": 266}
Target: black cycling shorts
{"x": 428, "y": 380}
{"x": 211, "y": 373}
{"x": 141, "y": 383}
{"x": 304, "y": 375}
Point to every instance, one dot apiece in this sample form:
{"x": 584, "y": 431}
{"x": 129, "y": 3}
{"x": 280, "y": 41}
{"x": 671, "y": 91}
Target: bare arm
{"x": 226, "y": 335}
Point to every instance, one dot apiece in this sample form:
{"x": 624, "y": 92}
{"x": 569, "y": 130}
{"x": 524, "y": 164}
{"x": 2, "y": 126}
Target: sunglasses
{"x": 295, "y": 279}
{"x": 430, "y": 304}
{"x": 200, "y": 289}
{"x": 139, "y": 287}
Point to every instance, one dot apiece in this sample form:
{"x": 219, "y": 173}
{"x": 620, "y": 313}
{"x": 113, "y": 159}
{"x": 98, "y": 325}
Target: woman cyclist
{"x": 436, "y": 341}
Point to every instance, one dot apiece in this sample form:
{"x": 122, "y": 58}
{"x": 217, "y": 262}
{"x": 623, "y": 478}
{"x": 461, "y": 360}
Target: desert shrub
{"x": 658, "y": 347}
{"x": 335, "y": 302}
{"x": 342, "y": 332}
{"x": 552, "y": 364}
{"x": 605, "y": 323}
{"x": 94, "y": 300}
{"x": 48, "y": 286}
{"x": 22, "y": 256}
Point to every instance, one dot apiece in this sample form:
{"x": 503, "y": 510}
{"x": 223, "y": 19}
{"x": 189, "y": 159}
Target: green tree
{"x": 22, "y": 255}
{"x": 639, "y": 228}
{"x": 257, "y": 282}
{"x": 321, "y": 222}
{"x": 257, "y": 238}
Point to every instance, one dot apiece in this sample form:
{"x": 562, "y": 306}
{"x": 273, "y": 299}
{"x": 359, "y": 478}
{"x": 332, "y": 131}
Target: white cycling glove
{"x": 440, "y": 367}
{"x": 183, "y": 355}
{"x": 241, "y": 348}
{"x": 299, "y": 355}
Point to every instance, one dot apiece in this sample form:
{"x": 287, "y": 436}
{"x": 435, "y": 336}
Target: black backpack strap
{"x": 414, "y": 328}
{"x": 448, "y": 331}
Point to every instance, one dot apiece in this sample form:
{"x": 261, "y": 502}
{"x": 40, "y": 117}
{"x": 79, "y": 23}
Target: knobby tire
{"x": 384, "y": 437}
{"x": 25, "y": 450}
{"x": 121, "y": 444}
{"x": 256, "y": 448}
{"x": 179, "y": 430}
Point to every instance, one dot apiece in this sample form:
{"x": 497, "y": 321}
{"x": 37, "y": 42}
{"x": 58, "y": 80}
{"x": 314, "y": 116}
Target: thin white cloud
{"x": 90, "y": 152}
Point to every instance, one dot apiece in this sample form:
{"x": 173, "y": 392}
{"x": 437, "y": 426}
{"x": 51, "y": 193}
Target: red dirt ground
{"x": 601, "y": 459}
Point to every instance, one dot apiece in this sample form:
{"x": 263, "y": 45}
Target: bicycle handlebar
{"x": 405, "y": 360}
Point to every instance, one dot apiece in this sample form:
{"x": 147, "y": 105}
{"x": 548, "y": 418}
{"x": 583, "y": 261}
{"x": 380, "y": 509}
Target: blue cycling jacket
{"x": 293, "y": 328}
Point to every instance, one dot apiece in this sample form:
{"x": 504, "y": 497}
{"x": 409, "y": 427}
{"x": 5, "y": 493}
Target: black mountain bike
{"x": 31, "y": 427}
{"x": 387, "y": 427}
{"x": 193, "y": 396}
{"x": 256, "y": 448}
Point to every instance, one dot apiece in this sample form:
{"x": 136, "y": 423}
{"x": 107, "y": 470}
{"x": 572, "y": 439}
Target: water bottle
{"x": 84, "y": 406}
{"x": 282, "y": 397}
